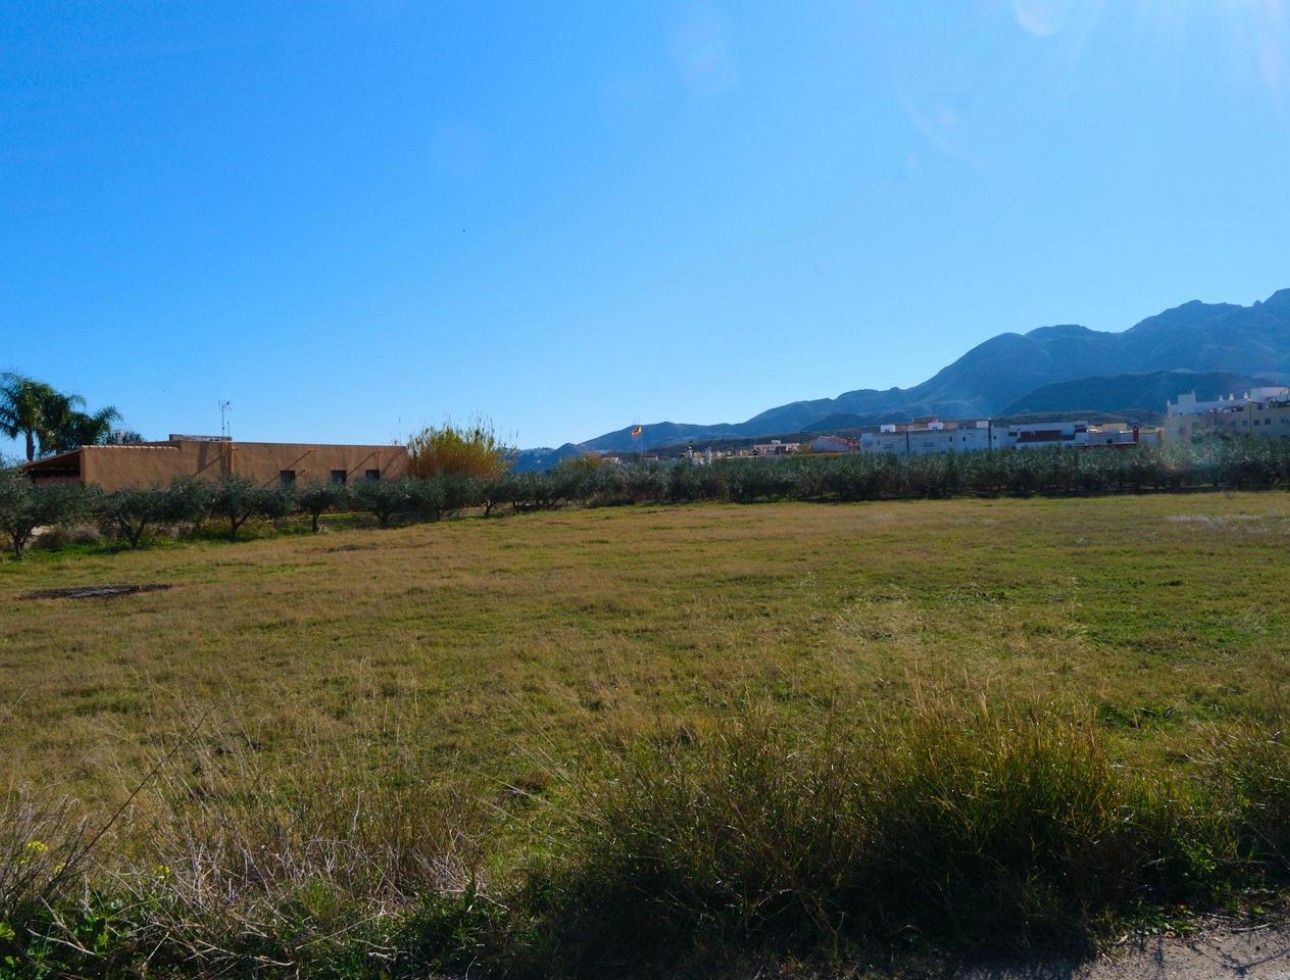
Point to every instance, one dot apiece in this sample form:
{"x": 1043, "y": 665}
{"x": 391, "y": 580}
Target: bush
{"x": 472, "y": 450}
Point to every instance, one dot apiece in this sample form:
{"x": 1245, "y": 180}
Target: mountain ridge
{"x": 1190, "y": 341}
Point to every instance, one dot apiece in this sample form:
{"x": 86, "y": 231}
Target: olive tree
{"x": 132, "y": 510}
{"x": 384, "y": 498}
{"x": 238, "y": 499}
{"x": 24, "y": 507}
{"x": 317, "y": 498}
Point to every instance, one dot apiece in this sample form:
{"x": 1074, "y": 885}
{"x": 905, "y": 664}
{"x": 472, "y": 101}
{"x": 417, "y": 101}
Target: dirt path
{"x": 1258, "y": 953}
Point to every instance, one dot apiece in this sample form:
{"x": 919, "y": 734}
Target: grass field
{"x": 484, "y": 661}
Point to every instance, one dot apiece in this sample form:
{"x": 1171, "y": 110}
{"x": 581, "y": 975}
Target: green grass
{"x": 963, "y": 725}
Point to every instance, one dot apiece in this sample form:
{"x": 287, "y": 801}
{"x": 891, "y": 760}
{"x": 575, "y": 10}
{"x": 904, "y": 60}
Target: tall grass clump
{"x": 41, "y": 847}
{"x": 1249, "y": 773}
{"x": 327, "y": 870}
{"x": 54, "y": 911}
{"x": 1020, "y": 832}
{"x": 946, "y": 827}
{"x": 340, "y": 870}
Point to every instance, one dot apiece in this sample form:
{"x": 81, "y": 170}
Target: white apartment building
{"x": 1263, "y": 412}
{"x": 928, "y": 436}
{"x": 932, "y": 436}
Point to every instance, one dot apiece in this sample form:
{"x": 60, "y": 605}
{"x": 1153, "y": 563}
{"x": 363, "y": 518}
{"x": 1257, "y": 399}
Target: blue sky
{"x": 353, "y": 218}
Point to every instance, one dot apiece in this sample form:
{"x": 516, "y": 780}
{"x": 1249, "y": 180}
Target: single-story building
{"x": 209, "y": 457}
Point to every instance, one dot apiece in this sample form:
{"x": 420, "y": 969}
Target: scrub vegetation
{"x": 645, "y": 740}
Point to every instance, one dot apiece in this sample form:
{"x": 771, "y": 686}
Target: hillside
{"x": 1048, "y": 369}
{"x": 1129, "y": 392}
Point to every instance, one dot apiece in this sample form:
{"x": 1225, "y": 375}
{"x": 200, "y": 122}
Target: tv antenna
{"x": 224, "y": 408}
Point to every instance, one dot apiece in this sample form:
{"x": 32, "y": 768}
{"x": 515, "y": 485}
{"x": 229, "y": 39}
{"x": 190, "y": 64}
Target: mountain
{"x": 532, "y": 460}
{"x": 1187, "y": 345}
{"x": 1135, "y": 393}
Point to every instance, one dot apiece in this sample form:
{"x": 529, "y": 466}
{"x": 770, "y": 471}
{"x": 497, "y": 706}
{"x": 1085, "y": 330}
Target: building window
{"x": 338, "y": 477}
{"x": 287, "y": 478}
{"x": 372, "y": 474}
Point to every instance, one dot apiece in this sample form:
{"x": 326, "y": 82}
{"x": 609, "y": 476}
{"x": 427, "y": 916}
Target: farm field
{"x": 480, "y": 661}
{"x": 486, "y": 646}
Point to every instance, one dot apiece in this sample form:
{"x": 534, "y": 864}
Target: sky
{"x": 349, "y": 219}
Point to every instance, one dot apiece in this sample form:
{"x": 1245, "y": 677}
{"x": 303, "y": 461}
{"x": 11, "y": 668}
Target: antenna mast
{"x": 224, "y": 408}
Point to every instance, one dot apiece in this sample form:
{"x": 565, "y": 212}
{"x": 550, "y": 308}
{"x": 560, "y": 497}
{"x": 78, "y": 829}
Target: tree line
{"x": 130, "y": 515}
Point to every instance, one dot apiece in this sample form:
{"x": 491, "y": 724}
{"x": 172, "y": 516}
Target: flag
{"x": 637, "y": 431}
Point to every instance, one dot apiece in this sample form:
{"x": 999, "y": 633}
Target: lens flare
{"x": 1047, "y": 18}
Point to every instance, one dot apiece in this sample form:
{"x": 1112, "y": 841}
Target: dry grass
{"x": 349, "y": 722}
{"x": 481, "y": 645}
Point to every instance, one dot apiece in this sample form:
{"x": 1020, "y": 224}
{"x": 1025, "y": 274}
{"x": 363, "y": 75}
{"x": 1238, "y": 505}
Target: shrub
{"x": 472, "y": 450}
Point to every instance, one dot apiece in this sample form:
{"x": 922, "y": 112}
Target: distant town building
{"x": 1121, "y": 434}
{"x": 775, "y": 448}
{"x": 833, "y": 444}
{"x": 1263, "y": 412}
{"x": 927, "y": 436}
{"x": 933, "y": 436}
{"x": 1043, "y": 435}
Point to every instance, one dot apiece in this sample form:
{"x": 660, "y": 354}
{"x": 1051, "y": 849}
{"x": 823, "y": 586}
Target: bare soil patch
{"x": 95, "y": 591}
{"x": 1215, "y": 952}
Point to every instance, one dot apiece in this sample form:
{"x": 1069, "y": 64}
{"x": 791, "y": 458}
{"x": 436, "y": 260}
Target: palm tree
{"x": 82, "y": 429}
{"x": 57, "y": 415}
{"x": 23, "y": 404}
{"x": 48, "y": 418}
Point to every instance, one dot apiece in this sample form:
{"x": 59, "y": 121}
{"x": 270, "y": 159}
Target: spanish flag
{"x": 637, "y": 431}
